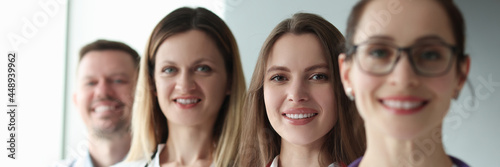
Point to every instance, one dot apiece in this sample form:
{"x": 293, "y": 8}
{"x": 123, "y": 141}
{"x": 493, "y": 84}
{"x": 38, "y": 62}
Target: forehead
{"x": 296, "y": 50}
{"x": 404, "y": 21}
{"x": 189, "y": 46}
{"x": 106, "y": 62}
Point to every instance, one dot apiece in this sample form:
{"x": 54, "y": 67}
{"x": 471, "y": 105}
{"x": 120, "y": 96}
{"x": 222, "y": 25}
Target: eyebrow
{"x": 88, "y": 77}
{"x": 318, "y": 66}
{"x": 389, "y": 38}
{"x": 277, "y": 68}
{"x": 428, "y": 37}
{"x": 311, "y": 68}
{"x": 381, "y": 37}
{"x": 195, "y": 62}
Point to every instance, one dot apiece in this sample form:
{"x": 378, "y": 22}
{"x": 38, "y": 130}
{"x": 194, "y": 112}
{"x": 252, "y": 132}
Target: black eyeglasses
{"x": 432, "y": 58}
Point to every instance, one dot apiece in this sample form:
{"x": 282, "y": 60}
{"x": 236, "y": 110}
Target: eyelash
{"x": 325, "y": 77}
{"x": 164, "y": 70}
{"x": 196, "y": 69}
{"x": 274, "y": 77}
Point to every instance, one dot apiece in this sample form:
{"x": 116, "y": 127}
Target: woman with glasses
{"x": 403, "y": 73}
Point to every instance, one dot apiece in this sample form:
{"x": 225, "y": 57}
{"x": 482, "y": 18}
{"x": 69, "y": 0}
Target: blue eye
{"x": 169, "y": 70}
{"x": 91, "y": 83}
{"x": 278, "y": 78}
{"x": 118, "y": 81}
{"x": 203, "y": 68}
{"x": 319, "y": 77}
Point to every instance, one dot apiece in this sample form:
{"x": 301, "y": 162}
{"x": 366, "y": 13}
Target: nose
{"x": 297, "y": 92}
{"x": 103, "y": 89}
{"x": 185, "y": 82}
{"x": 403, "y": 73}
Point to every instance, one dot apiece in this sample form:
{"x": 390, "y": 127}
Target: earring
{"x": 349, "y": 94}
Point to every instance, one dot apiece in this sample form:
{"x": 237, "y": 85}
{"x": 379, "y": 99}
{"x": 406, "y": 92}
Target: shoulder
{"x": 64, "y": 163}
{"x": 75, "y": 161}
{"x": 155, "y": 160}
{"x": 130, "y": 164}
{"x": 457, "y": 162}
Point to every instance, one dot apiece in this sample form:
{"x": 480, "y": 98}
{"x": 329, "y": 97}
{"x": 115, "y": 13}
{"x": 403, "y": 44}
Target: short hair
{"x": 101, "y": 45}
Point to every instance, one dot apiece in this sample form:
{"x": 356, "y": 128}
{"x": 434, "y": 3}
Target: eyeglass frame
{"x": 407, "y": 50}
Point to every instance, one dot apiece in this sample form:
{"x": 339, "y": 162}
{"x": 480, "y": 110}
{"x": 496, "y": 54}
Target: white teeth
{"x": 300, "y": 116}
{"x": 100, "y": 109}
{"x": 406, "y": 105}
{"x": 187, "y": 101}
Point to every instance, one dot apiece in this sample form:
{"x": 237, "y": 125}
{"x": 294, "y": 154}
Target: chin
{"x": 406, "y": 132}
{"x": 300, "y": 138}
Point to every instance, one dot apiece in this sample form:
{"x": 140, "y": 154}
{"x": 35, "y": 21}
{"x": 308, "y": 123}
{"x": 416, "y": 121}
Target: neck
{"x": 109, "y": 151}
{"x": 425, "y": 150}
{"x": 188, "y": 146}
{"x": 301, "y": 155}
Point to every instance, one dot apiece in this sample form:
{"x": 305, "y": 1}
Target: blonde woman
{"x": 189, "y": 94}
{"x": 403, "y": 77}
{"x": 297, "y": 113}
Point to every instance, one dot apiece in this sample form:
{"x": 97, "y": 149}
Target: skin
{"x": 106, "y": 78}
{"x": 190, "y": 66}
{"x": 297, "y": 77}
{"x": 395, "y": 139}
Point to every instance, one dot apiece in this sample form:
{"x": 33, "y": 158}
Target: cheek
{"x": 325, "y": 97}
{"x": 272, "y": 100}
{"x": 163, "y": 89}
{"x": 364, "y": 87}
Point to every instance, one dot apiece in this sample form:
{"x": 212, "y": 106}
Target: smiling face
{"x": 104, "y": 96}
{"x": 403, "y": 104}
{"x": 190, "y": 78}
{"x": 298, "y": 92}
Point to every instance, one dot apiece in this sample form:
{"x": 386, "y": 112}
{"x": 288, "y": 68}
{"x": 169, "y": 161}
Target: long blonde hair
{"x": 260, "y": 143}
{"x": 149, "y": 124}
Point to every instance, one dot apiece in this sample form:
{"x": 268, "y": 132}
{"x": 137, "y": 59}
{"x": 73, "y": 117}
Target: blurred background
{"x": 47, "y": 35}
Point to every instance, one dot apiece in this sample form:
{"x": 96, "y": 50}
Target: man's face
{"x": 104, "y": 95}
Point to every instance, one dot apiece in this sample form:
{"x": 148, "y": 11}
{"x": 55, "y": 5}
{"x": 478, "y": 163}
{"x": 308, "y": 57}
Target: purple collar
{"x": 455, "y": 161}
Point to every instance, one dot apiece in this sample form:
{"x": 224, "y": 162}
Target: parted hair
{"x": 260, "y": 143}
{"x": 149, "y": 124}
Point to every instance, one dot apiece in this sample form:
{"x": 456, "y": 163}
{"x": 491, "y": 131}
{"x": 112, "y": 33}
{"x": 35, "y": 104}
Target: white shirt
{"x": 276, "y": 160}
{"x": 155, "y": 162}
{"x": 78, "y": 161}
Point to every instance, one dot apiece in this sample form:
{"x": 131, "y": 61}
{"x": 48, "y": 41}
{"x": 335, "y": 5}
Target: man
{"x": 106, "y": 78}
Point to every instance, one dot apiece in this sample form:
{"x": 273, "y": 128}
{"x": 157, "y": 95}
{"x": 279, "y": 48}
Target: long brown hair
{"x": 260, "y": 143}
{"x": 149, "y": 124}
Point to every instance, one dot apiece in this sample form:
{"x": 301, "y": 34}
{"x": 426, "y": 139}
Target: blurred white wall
{"x": 36, "y": 30}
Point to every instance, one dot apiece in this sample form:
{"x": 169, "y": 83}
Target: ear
{"x": 345, "y": 68}
{"x": 464, "y": 69}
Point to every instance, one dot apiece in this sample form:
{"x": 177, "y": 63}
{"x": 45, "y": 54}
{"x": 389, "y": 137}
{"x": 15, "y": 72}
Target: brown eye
{"x": 319, "y": 77}
{"x": 278, "y": 78}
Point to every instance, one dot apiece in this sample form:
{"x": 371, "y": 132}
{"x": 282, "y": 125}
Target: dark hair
{"x": 101, "y": 45}
{"x": 454, "y": 14}
{"x": 260, "y": 142}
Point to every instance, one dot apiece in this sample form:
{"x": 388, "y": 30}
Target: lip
{"x": 404, "y": 99}
{"x": 186, "y": 106}
{"x": 116, "y": 107}
{"x": 302, "y": 121}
